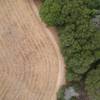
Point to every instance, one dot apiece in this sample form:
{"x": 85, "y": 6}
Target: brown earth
{"x": 31, "y": 66}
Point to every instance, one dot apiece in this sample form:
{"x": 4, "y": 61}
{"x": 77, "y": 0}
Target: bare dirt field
{"x": 31, "y": 65}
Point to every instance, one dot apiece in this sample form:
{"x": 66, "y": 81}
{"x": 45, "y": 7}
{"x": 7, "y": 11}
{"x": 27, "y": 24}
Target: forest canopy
{"x": 79, "y": 38}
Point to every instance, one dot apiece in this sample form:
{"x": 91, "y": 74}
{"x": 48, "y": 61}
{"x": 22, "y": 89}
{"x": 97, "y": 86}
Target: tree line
{"x": 79, "y": 40}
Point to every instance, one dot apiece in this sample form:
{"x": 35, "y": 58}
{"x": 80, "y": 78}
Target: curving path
{"x": 31, "y": 66}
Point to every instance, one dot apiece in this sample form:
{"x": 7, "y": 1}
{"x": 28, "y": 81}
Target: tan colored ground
{"x": 31, "y": 66}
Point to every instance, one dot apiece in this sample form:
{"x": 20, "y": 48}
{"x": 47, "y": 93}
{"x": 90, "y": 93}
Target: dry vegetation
{"x": 30, "y": 60}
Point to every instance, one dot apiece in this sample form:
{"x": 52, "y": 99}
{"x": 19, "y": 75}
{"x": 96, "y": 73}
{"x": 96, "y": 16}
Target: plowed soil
{"x": 31, "y": 65}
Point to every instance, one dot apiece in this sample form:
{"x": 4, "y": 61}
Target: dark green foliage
{"x": 94, "y": 4}
{"x": 73, "y": 98}
{"x": 70, "y": 75}
{"x": 60, "y": 94}
{"x": 79, "y": 37}
{"x": 77, "y": 49}
{"x": 93, "y": 84}
{"x": 60, "y": 12}
{"x": 51, "y": 11}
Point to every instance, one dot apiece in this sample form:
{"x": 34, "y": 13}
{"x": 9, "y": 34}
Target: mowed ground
{"x": 31, "y": 66}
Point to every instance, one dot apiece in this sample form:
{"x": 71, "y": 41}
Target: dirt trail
{"x": 31, "y": 66}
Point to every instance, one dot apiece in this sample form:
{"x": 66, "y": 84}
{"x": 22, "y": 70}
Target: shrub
{"x": 51, "y": 11}
{"x": 61, "y": 92}
{"x": 94, "y": 4}
{"x": 93, "y": 84}
{"x": 73, "y": 98}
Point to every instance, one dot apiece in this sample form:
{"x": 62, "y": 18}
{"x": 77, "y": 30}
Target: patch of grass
{"x": 60, "y": 94}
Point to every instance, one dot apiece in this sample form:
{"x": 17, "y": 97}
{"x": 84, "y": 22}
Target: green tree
{"x": 51, "y": 12}
{"x": 79, "y": 38}
{"x": 94, "y": 4}
{"x": 61, "y": 92}
{"x": 93, "y": 84}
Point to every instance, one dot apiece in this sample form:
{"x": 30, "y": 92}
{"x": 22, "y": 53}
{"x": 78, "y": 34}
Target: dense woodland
{"x": 78, "y": 23}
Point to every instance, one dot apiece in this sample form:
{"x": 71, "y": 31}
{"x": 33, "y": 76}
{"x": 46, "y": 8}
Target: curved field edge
{"x": 25, "y": 37}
